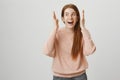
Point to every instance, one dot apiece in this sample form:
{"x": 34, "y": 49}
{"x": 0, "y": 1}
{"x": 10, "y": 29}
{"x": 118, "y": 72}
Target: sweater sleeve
{"x": 88, "y": 44}
{"x": 49, "y": 46}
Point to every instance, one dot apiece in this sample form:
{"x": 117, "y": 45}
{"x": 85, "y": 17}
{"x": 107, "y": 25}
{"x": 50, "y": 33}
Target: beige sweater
{"x": 59, "y": 45}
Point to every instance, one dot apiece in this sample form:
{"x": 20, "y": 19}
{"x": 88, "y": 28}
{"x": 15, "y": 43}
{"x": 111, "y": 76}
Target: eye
{"x": 74, "y": 14}
{"x": 66, "y": 14}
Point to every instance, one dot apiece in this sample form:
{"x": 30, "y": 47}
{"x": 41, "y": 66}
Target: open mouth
{"x": 70, "y": 22}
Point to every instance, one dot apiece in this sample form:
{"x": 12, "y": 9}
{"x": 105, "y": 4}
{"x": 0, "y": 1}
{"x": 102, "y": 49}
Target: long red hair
{"x": 77, "y": 47}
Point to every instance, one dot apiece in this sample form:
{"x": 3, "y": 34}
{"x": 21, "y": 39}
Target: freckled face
{"x": 70, "y": 18}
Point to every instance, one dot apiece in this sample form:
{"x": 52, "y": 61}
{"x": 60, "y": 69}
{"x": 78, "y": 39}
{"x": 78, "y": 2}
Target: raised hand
{"x": 82, "y": 19}
{"x": 55, "y": 21}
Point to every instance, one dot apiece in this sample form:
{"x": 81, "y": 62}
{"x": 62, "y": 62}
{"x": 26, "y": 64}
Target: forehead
{"x": 69, "y": 10}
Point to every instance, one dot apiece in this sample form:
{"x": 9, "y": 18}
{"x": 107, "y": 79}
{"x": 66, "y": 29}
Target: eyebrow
{"x": 68, "y": 12}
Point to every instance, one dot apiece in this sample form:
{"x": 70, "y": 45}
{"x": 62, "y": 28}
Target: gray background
{"x": 26, "y": 24}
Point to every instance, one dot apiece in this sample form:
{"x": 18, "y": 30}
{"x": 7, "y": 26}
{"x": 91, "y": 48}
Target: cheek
{"x": 75, "y": 19}
{"x": 65, "y": 19}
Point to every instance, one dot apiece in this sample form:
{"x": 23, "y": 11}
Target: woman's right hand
{"x": 55, "y": 21}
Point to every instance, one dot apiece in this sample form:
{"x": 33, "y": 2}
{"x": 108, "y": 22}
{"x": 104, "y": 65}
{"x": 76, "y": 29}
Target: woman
{"x": 69, "y": 46}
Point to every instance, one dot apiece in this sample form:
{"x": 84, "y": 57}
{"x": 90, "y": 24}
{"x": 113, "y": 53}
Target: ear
{"x": 63, "y": 19}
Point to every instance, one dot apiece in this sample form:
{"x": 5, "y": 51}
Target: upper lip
{"x": 69, "y": 21}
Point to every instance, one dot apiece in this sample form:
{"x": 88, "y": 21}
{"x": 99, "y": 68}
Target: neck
{"x": 69, "y": 30}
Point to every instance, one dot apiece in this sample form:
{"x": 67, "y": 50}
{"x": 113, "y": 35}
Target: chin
{"x": 70, "y": 27}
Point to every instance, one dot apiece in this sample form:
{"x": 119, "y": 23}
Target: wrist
{"x": 82, "y": 26}
{"x": 55, "y": 29}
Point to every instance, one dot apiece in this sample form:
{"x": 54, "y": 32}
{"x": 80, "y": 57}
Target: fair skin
{"x": 70, "y": 19}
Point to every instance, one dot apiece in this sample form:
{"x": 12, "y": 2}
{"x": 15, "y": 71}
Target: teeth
{"x": 70, "y": 22}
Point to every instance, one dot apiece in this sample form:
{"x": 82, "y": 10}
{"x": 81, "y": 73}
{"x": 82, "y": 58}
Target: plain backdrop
{"x": 26, "y": 24}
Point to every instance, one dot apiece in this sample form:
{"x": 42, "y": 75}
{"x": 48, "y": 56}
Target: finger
{"x": 83, "y": 13}
{"x": 54, "y": 16}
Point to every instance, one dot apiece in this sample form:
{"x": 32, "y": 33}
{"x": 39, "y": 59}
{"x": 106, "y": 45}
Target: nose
{"x": 70, "y": 16}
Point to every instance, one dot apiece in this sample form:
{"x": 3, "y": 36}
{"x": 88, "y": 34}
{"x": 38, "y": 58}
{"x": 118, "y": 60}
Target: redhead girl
{"x": 69, "y": 45}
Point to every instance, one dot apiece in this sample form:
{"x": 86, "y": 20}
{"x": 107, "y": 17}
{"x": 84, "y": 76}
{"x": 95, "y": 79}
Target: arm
{"x": 49, "y": 47}
{"x": 88, "y": 44}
